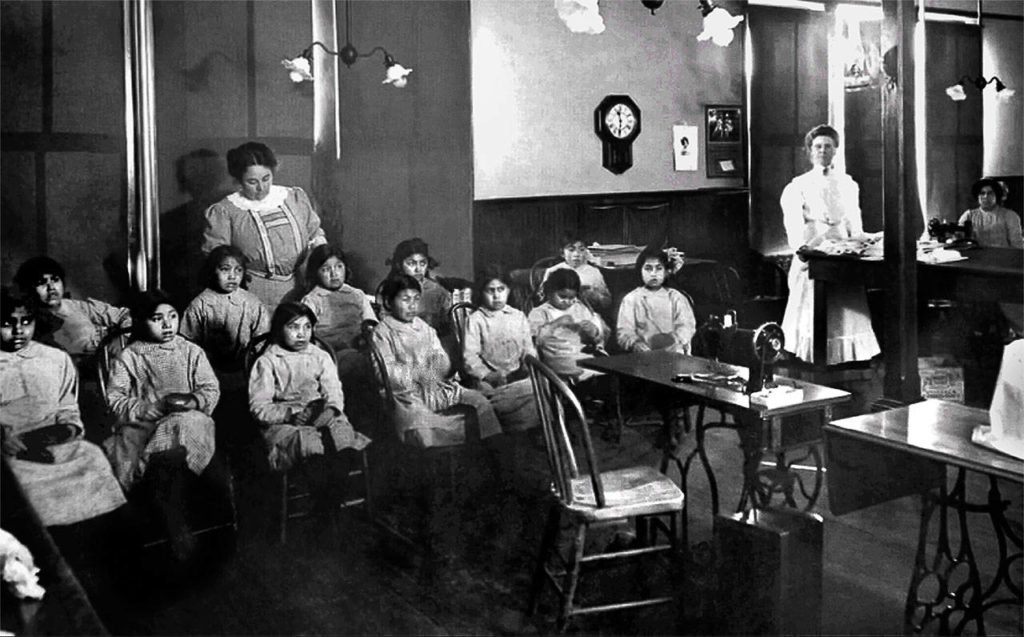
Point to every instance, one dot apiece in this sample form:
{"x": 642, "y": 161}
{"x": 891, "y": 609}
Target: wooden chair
{"x": 440, "y": 461}
{"x": 206, "y": 515}
{"x": 292, "y": 491}
{"x": 588, "y": 497}
{"x": 537, "y": 276}
{"x": 458, "y": 315}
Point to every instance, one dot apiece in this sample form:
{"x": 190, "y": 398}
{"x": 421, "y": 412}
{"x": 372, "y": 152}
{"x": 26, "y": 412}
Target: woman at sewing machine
{"x": 992, "y": 225}
{"x": 818, "y": 206}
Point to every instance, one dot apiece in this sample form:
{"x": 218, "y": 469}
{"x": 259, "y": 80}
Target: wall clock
{"x": 617, "y": 123}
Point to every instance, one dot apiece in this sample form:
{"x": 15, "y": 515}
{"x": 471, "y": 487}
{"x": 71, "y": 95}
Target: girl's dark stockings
{"x": 166, "y": 475}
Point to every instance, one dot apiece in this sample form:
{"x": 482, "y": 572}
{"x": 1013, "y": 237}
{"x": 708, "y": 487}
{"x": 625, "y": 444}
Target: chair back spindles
{"x": 109, "y": 347}
{"x": 554, "y": 400}
{"x": 458, "y": 315}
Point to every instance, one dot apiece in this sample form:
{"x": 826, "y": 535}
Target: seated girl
{"x": 73, "y": 325}
{"x": 593, "y": 289}
{"x": 419, "y": 371}
{"x": 224, "y": 317}
{"x": 653, "y": 316}
{"x": 340, "y": 309}
{"x": 65, "y": 478}
{"x": 296, "y": 399}
{"x": 497, "y": 339}
{"x": 564, "y": 327}
{"x": 412, "y": 257}
{"x": 162, "y": 391}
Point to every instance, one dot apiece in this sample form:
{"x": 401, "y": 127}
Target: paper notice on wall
{"x": 685, "y": 148}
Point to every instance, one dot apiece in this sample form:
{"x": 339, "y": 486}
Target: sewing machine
{"x": 951, "y": 235}
{"x": 758, "y": 350}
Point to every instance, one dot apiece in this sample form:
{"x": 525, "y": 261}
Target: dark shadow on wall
{"x": 201, "y": 174}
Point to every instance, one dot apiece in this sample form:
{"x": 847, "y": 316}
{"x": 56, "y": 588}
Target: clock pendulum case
{"x": 617, "y": 123}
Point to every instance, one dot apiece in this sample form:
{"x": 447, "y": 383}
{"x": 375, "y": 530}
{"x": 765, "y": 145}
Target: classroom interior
{"x": 113, "y": 142}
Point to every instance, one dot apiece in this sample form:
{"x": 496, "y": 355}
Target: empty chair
{"x": 585, "y": 496}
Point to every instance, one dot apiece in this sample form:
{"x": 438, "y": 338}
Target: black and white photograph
{"x": 491, "y": 317}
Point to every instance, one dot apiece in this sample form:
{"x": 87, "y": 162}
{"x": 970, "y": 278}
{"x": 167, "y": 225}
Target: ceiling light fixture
{"x": 957, "y": 92}
{"x": 718, "y": 23}
{"x": 300, "y": 68}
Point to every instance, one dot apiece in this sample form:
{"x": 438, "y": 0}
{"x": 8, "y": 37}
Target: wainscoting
{"x": 708, "y": 223}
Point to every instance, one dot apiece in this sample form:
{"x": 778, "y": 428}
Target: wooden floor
{"x": 356, "y": 579}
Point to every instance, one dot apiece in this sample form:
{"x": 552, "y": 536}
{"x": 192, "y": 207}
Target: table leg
{"x": 760, "y": 485}
{"x": 672, "y": 456}
{"x": 820, "y": 347}
{"x": 970, "y": 599}
{"x": 934, "y": 594}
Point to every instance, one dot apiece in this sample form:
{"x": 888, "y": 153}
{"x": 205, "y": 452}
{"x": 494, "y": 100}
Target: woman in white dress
{"x": 274, "y": 226}
{"x": 823, "y": 204}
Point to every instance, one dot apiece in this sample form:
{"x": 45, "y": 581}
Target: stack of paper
{"x": 612, "y": 255}
{"x": 777, "y": 396}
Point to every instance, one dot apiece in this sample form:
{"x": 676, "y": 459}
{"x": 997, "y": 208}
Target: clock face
{"x": 620, "y": 121}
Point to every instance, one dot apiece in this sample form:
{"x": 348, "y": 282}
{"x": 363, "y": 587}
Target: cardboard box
{"x": 941, "y": 379}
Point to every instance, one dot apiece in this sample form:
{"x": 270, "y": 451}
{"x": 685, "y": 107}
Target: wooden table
{"x": 987, "y": 275}
{"x": 65, "y": 608}
{"x": 762, "y": 430}
{"x": 883, "y": 456}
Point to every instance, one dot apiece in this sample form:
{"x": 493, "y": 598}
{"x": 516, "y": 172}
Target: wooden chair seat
{"x": 628, "y": 493}
{"x": 640, "y": 494}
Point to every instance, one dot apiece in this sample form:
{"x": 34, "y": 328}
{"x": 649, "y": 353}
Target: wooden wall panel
{"x": 215, "y": 56}
{"x": 88, "y": 68}
{"x": 63, "y": 138}
{"x": 788, "y": 96}
{"x": 406, "y": 165}
{"x": 283, "y": 108}
{"x": 20, "y": 230}
{"x": 21, "y": 66}
{"x": 85, "y": 222}
{"x": 702, "y": 223}
{"x": 954, "y": 129}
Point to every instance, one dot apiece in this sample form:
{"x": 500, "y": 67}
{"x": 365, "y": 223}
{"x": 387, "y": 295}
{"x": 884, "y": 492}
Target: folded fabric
{"x": 18, "y": 568}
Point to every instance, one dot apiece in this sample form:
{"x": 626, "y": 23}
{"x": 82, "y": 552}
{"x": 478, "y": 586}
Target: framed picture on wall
{"x": 723, "y": 132}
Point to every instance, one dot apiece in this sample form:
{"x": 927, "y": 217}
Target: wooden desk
{"x": 987, "y": 275}
{"x": 883, "y": 456}
{"x": 762, "y": 430}
{"x": 65, "y": 608}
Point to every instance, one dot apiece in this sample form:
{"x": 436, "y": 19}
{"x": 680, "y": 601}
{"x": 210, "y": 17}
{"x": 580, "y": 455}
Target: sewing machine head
{"x": 950, "y": 233}
{"x": 719, "y": 338}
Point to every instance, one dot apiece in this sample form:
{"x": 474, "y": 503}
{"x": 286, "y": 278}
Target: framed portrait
{"x": 723, "y": 130}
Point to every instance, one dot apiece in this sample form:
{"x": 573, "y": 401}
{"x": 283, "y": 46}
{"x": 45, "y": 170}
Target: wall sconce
{"x": 653, "y": 5}
{"x": 718, "y": 23}
{"x": 957, "y": 92}
{"x": 300, "y": 68}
